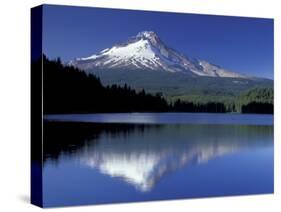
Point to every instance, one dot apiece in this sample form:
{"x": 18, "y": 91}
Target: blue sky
{"x": 239, "y": 44}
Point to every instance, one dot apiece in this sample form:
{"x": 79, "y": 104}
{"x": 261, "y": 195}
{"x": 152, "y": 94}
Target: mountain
{"x": 146, "y": 51}
{"x": 146, "y": 62}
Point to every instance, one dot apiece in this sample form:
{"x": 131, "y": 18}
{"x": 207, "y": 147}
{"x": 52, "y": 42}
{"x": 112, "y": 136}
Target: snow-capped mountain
{"x": 146, "y": 51}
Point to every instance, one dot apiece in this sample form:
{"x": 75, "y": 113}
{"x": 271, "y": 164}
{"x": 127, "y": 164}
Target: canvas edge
{"x": 36, "y": 190}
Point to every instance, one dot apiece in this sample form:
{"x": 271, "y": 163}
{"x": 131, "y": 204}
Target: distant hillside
{"x": 181, "y": 86}
{"x": 67, "y": 89}
{"x": 257, "y": 100}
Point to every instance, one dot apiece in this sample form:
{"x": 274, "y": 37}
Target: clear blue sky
{"x": 240, "y": 44}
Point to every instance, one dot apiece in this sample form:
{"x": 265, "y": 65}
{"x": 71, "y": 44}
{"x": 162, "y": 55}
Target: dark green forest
{"x": 67, "y": 89}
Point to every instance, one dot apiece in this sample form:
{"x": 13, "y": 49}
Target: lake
{"x": 113, "y": 158}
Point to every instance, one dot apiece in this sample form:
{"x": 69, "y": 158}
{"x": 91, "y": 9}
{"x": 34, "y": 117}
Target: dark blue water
{"x": 115, "y": 158}
{"x": 168, "y": 118}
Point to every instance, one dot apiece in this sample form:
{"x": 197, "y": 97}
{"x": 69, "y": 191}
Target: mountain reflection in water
{"x": 142, "y": 154}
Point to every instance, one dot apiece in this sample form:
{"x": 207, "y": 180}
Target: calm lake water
{"x": 110, "y": 158}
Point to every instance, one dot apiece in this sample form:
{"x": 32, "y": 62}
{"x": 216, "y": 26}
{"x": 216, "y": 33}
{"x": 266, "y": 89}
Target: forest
{"x": 67, "y": 89}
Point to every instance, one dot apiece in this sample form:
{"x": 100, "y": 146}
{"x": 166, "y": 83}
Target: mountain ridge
{"x": 146, "y": 51}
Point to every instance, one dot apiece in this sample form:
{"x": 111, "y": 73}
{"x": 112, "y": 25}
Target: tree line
{"x": 257, "y": 100}
{"x": 66, "y": 89}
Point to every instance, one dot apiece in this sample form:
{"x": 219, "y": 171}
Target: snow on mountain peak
{"x": 149, "y": 35}
{"x": 146, "y": 51}
{"x": 146, "y": 33}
